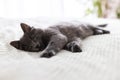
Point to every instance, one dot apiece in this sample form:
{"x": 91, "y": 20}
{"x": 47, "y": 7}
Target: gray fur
{"x": 61, "y": 36}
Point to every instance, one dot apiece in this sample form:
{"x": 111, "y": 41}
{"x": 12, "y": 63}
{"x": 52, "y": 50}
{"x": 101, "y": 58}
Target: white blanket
{"x": 100, "y": 59}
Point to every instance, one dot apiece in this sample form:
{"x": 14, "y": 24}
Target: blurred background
{"x": 60, "y": 8}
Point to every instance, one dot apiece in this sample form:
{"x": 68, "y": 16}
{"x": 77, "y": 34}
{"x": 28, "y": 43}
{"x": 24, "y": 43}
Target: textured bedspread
{"x": 100, "y": 59}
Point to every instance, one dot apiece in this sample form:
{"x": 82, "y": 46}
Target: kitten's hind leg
{"x": 106, "y": 32}
{"x": 74, "y": 46}
{"x": 98, "y": 31}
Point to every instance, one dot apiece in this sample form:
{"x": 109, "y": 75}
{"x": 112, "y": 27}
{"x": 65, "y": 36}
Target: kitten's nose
{"x": 40, "y": 47}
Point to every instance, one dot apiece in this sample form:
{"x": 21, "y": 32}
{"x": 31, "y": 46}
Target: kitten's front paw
{"x": 47, "y": 54}
{"x": 74, "y": 47}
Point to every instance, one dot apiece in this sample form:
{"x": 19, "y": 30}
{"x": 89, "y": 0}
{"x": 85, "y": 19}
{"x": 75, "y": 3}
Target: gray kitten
{"x": 50, "y": 41}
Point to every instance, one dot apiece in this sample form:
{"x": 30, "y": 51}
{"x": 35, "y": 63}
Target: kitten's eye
{"x": 37, "y": 46}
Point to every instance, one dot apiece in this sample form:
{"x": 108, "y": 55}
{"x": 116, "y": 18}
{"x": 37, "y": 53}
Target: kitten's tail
{"x": 102, "y": 25}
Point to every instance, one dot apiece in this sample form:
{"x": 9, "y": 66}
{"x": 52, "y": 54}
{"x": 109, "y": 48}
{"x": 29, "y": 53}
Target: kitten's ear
{"x": 15, "y": 44}
{"x": 25, "y": 27}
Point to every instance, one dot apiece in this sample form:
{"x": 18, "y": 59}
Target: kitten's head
{"x": 31, "y": 40}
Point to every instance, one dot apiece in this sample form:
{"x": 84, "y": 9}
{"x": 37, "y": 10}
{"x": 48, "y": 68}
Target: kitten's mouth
{"x": 35, "y": 50}
{"x": 41, "y": 49}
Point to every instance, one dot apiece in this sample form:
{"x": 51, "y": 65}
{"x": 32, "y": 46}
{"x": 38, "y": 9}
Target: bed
{"x": 100, "y": 59}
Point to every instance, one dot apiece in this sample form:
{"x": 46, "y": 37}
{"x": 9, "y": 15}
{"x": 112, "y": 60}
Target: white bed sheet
{"x": 100, "y": 59}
